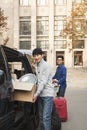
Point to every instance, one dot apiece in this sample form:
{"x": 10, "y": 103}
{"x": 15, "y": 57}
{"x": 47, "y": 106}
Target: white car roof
{"x": 24, "y": 51}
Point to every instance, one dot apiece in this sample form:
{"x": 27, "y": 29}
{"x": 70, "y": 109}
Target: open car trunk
{"x": 20, "y": 113}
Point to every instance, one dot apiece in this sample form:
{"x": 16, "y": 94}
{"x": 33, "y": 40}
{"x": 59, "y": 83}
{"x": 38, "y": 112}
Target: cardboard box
{"x": 23, "y": 91}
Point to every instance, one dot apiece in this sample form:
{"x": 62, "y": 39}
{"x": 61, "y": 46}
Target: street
{"x": 76, "y": 96}
{"x": 77, "y": 109}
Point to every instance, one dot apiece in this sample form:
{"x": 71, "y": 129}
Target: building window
{"x": 25, "y": 26}
{"x": 43, "y": 32}
{"x": 25, "y": 32}
{"x": 25, "y": 45}
{"x": 77, "y": 1}
{"x": 59, "y": 25}
{"x": 60, "y": 2}
{"x": 58, "y": 53}
{"x": 78, "y": 58}
{"x": 77, "y": 23}
{"x": 60, "y": 44}
{"x": 42, "y": 2}
{"x": 24, "y": 2}
{"x": 79, "y": 44}
{"x": 42, "y": 25}
{"x": 43, "y": 44}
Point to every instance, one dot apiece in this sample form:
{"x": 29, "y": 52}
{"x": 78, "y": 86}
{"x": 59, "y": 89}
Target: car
{"x": 15, "y": 115}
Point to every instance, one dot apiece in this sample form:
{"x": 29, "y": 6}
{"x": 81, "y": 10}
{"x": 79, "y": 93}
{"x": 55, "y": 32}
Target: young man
{"x": 60, "y": 76}
{"x": 45, "y": 90}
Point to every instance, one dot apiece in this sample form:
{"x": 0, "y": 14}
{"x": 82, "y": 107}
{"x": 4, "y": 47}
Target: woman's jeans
{"x": 45, "y": 110}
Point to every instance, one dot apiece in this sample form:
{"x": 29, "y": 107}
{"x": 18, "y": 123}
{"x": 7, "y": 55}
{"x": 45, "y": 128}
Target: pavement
{"x": 76, "y": 95}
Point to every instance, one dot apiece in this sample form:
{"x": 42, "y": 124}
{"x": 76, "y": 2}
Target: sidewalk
{"x": 76, "y": 96}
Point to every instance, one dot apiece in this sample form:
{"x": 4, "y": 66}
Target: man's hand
{"x": 34, "y": 98}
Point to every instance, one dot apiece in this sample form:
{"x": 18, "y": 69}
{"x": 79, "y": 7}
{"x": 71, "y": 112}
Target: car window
{"x": 2, "y": 63}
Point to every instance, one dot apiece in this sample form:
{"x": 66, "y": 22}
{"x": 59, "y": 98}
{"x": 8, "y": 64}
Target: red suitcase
{"x": 61, "y": 106}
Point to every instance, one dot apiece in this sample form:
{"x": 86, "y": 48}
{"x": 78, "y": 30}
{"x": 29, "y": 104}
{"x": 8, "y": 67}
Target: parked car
{"x": 15, "y": 115}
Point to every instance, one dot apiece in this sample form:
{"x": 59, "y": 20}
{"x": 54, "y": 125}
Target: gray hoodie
{"x": 44, "y": 76}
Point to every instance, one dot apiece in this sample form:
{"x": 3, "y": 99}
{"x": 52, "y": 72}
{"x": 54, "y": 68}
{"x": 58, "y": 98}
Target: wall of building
{"x": 13, "y": 11}
{"x": 8, "y": 8}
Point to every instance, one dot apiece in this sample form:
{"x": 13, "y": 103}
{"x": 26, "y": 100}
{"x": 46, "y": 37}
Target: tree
{"x": 3, "y": 27}
{"x": 76, "y": 26}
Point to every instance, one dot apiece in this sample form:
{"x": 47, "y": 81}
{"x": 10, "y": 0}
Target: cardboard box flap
{"x": 22, "y": 86}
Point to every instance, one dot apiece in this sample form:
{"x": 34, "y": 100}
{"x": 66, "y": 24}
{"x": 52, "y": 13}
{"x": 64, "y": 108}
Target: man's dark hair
{"x": 37, "y": 51}
{"x": 60, "y": 57}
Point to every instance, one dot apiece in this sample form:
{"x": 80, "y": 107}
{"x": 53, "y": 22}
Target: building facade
{"x": 37, "y": 23}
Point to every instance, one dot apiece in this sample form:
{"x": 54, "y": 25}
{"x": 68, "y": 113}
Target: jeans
{"x": 45, "y": 110}
{"x": 61, "y": 92}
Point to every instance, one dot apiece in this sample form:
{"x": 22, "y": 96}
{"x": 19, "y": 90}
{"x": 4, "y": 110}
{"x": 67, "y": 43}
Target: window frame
{"x": 60, "y": 2}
